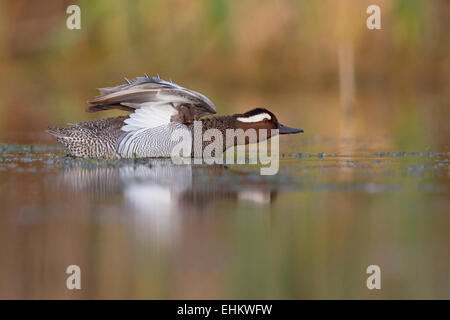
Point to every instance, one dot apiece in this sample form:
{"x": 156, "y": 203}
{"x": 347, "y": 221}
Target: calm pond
{"x": 149, "y": 229}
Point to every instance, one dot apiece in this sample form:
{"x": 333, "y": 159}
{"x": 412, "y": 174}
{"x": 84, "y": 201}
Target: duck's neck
{"x": 221, "y": 123}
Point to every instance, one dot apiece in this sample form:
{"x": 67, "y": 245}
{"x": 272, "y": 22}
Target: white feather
{"x": 255, "y": 118}
{"x": 149, "y": 115}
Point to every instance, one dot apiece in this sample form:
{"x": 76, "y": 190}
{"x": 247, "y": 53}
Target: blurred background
{"x": 340, "y": 203}
{"x": 313, "y": 62}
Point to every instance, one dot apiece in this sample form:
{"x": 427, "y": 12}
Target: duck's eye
{"x": 266, "y": 120}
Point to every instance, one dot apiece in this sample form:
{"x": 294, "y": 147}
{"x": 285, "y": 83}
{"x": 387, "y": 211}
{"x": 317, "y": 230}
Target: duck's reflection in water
{"x": 161, "y": 187}
{"x": 158, "y": 194}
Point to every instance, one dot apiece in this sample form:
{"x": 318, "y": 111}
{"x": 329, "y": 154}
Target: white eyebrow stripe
{"x": 255, "y": 118}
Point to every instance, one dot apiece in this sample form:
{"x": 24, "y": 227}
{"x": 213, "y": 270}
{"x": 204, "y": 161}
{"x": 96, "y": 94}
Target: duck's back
{"x": 91, "y": 139}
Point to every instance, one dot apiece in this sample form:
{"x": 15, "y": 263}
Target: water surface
{"x": 150, "y": 229}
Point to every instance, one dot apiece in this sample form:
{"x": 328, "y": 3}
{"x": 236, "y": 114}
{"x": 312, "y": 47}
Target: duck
{"x": 157, "y": 108}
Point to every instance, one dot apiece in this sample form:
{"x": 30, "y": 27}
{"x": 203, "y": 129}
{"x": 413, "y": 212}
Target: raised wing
{"x": 153, "y": 94}
{"x": 151, "y": 115}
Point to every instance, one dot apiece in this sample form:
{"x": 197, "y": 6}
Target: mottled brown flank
{"x": 91, "y": 139}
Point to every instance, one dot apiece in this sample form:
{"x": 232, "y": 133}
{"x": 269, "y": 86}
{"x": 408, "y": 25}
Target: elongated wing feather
{"x": 145, "y": 90}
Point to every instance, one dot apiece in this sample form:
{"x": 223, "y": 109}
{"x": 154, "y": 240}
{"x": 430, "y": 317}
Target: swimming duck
{"x": 157, "y": 108}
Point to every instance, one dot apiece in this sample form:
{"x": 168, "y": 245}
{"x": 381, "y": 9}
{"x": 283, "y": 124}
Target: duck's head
{"x": 261, "y": 118}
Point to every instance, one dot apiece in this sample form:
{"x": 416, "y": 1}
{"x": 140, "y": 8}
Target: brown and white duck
{"x": 157, "y": 108}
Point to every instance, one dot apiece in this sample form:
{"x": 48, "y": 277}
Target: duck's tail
{"x": 57, "y": 132}
{"x": 91, "y": 139}
{"x": 65, "y": 136}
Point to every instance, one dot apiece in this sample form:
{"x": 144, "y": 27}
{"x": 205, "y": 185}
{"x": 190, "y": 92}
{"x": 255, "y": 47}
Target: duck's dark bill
{"x": 287, "y": 130}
